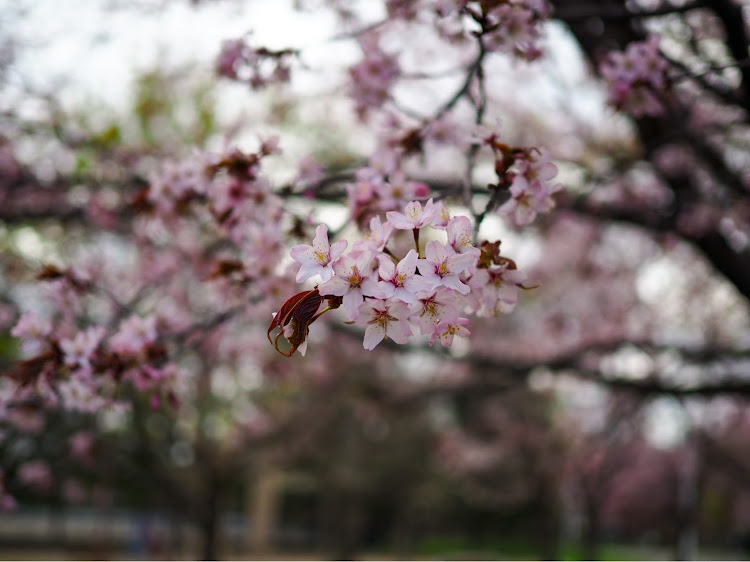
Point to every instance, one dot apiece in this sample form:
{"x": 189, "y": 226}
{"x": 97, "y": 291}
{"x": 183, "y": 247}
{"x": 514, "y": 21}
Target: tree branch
{"x": 614, "y": 13}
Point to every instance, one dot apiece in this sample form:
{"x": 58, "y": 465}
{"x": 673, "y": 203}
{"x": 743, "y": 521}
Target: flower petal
{"x": 374, "y": 334}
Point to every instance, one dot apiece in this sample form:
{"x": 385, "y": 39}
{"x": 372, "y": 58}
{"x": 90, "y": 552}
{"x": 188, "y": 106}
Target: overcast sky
{"x": 96, "y": 47}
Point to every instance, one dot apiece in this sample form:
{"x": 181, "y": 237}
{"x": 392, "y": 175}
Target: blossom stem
{"x": 319, "y": 314}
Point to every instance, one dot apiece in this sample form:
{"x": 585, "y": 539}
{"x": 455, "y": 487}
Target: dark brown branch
{"x": 613, "y": 13}
{"x": 730, "y": 385}
{"x": 731, "y": 15}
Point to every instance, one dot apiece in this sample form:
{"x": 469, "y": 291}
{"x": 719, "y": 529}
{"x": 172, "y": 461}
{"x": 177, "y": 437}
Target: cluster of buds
{"x": 425, "y": 292}
{"x": 256, "y": 67}
{"x": 637, "y": 78}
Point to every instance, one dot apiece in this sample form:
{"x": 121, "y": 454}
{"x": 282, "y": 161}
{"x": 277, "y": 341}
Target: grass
{"x": 457, "y": 548}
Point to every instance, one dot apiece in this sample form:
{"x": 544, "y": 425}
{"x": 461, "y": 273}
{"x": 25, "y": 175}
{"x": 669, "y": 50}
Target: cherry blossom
{"x": 637, "y": 78}
{"x": 384, "y": 318}
{"x": 79, "y": 350}
{"x": 376, "y": 239}
{"x": 440, "y": 305}
{"x": 530, "y": 190}
{"x": 33, "y": 331}
{"x": 414, "y": 216}
{"x": 134, "y": 334}
{"x": 353, "y": 280}
{"x": 258, "y": 67}
{"x": 459, "y": 230}
{"x": 317, "y": 259}
{"x": 496, "y": 289}
{"x": 446, "y": 329}
{"x": 372, "y": 78}
{"x": 31, "y": 325}
{"x": 516, "y": 28}
{"x": 440, "y": 268}
{"x": 400, "y": 281}
{"x": 35, "y": 474}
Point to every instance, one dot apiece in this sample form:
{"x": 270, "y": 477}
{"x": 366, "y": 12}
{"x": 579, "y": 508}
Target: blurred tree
{"x": 158, "y": 261}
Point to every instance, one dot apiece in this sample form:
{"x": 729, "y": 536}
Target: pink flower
{"x": 517, "y": 28}
{"x": 33, "y": 330}
{"x": 400, "y": 281}
{"x": 80, "y": 395}
{"x": 398, "y": 190}
{"x": 495, "y": 290}
{"x": 233, "y": 53}
{"x": 7, "y": 502}
{"x": 439, "y": 268}
{"x": 377, "y": 238}
{"x": 438, "y": 307}
{"x": 79, "y": 350}
{"x": 134, "y": 335}
{"x": 317, "y": 259}
{"x": 353, "y": 280}
{"x": 414, "y": 216}
{"x": 487, "y": 134}
{"x": 637, "y": 78}
{"x": 372, "y": 78}
{"x": 30, "y": 325}
{"x": 35, "y": 474}
{"x": 460, "y": 236}
{"x": 385, "y": 318}
{"x": 81, "y": 445}
{"x": 310, "y": 172}
{"x": 530, "y": 191}
{"x": 442, "y": 216}
{"x": 441, "y": 131}
{"x": 447, "y": 329}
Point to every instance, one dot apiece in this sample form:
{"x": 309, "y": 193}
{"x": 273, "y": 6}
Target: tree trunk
{"x": 686, "y": 532}
{"x": 549, "y": 527}
{"x": 209, "y": 519}
{"x": 342, "y": 517}
{"x": 591, "y": 531}
{"x": 263, "y": 509}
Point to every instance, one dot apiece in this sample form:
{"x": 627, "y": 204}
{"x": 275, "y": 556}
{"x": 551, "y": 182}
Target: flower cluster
{"x": 637, "y": 78}
{"x": 87, "y": 364}
{"x": 373, "y": 76}
{"x": 526, "y": 173}
{"x": 515, "y": 27}
{"x": 377, "y": 190}
{"x": 256, "y": 67}
{"x": 426, "y": 292}
{"x": 221, "y": 215}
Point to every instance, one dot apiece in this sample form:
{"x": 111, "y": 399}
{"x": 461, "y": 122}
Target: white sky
{"x": 95, "y": 48}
